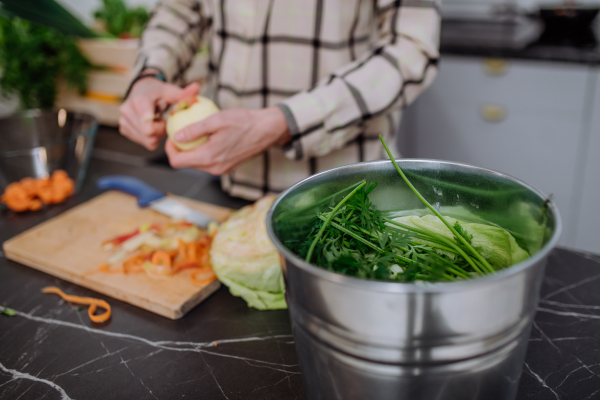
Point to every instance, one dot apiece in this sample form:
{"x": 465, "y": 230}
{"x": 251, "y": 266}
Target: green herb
{"x": 351, "y": 237}
{"x": 331, "y": 214}
{"x": 8, "y": 311}
{"x": 80, "y": 308}
{"x": 462, "y": 232}
{"x": 436, "y": 212}
{"x": 33, "y": 58}
{"x": 121, "y": 21}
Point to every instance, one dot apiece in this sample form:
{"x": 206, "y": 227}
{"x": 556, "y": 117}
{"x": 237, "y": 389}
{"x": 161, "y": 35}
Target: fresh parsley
{"x": 352, "y": 237}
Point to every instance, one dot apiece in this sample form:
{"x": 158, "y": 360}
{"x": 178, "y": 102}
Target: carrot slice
{"x": 161, "y": 258}
{"x": 60, "y": 175}
{"x": 28, "y": 184}
{"x": 93, "y": 303}
{"x": 35, "y": 204}
{"x": 17, "y": 205}
{"x": 45, "y": 194}
{"x": 185, "y": 265}
{"x": 202, "y": 275}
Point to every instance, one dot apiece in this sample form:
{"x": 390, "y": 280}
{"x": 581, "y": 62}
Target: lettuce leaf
{"x": 495, "y": 244}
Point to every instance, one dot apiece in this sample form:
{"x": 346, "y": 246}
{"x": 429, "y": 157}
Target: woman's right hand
{"x": 147, "y": 97}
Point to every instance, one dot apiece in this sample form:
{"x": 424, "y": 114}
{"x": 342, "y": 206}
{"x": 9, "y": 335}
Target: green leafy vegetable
{"x": 8, "y": 311}
{"x": 462, "y": 232}
{"x": 464, "y": 241}
{"x": 33, "y": 57}
{"x": 121, "y": 21}
{"x": 244, "y": 258}
{"x": 351, "y": 237}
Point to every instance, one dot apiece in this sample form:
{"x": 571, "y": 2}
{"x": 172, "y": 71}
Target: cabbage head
{"x": 245, "y": 260}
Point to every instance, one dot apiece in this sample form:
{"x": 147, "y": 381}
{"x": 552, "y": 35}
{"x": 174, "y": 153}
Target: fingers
{"x": 144, "y": 110}
{"x": 202, "y": 128}
{"x": 130, "y": 129}
{"x": 172, "y": 94}
{"x": 179, "y": 159}
{"x": 202, "y": 158}
{"x": 190, "y": 90}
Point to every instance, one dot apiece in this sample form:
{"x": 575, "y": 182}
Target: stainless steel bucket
{"x": 361, "y": 339}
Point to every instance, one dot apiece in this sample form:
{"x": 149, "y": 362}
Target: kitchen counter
{"x": 222, "y": 348}
{"x": 518, "y": 39}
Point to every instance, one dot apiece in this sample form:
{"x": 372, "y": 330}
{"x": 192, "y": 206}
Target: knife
{"x": 149, "y": 196}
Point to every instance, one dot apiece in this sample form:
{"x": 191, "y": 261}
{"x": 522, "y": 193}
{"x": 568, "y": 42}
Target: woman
{"x": 305, "y": 85}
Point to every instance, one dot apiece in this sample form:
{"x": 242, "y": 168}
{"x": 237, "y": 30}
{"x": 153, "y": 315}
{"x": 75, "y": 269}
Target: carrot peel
{"x": 93, "y": 303}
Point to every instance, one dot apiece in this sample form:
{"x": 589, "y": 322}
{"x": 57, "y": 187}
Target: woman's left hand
{"x": 234, "y": 136}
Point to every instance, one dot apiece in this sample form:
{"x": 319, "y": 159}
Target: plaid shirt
{"x": 340, "y": 70}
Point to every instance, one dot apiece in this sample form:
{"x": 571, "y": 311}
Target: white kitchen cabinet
{"x": 588, "y": 213}
{"x": 525, "y": 119}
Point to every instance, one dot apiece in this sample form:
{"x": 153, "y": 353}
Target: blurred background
{"x": 518, "y": 88}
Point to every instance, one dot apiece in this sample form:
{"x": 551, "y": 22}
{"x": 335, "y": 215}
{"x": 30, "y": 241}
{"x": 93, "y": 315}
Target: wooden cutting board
{"x": 69, "y": 245}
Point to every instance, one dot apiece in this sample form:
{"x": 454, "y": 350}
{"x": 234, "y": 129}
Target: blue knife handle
{"x": 128, "y": 184}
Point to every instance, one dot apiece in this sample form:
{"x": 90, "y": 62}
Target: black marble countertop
{"x": 224, "y": 350}
{"x": 514, "y": 39}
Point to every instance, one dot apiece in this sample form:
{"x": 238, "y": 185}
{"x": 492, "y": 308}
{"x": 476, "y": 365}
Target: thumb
{"x": 190, "y": 90}
{"x": 172, "y": 93}
{"x": 199, "y": 129}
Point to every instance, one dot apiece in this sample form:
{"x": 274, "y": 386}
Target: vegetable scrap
{"x": 30, "y": 193}
{"x": 93, "y": 303}
{"x": 9, "y": 312}
{"x": 161, "y": 252}
{"x": 355, "y": 239}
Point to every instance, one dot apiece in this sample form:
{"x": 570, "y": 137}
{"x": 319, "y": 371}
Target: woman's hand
{"x": 147, "y": 97}
{"x": 234, "y": 136}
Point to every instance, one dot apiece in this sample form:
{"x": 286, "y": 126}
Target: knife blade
{"x": 149, "y": 196}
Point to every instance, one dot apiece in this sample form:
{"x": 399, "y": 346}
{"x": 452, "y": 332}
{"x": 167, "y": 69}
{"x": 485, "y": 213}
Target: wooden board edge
{"x": 194, "y": 301}
{"x": 136, "y": 301}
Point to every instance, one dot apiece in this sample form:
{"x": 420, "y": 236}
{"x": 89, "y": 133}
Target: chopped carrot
{"x": 17, "y": 205}
{"x": 161, "y": 258}
{"x": 60, "y": 175}
{"x": 191, "y": 253}
{"x": 45, "y": 193}
{"x": 135, "y": 260}
{"x": 185, "y": 265}
{"x": 42, "y": 183}
{"x": 104, "y": 268}
{"x": 29, "y": 193}
{"x": 28, "y": 184}
{"x": 35, "y": 204}
{"x": 93, "y": 303}
{"x": 202, "y": 275}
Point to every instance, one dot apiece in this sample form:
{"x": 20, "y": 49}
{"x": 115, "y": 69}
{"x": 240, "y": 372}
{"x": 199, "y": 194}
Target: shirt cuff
{"x": 302, "y": 118}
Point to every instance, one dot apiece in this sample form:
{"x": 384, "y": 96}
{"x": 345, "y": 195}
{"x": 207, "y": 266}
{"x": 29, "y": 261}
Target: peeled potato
{"x": 187, "y": 112}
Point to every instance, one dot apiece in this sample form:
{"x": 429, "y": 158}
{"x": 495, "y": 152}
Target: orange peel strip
{"x": 93, "y": 303}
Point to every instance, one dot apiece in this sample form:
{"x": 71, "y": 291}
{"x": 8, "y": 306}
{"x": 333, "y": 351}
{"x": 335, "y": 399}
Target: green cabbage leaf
{"x": 495, "y": 244}
{"x": 245, "y": 260}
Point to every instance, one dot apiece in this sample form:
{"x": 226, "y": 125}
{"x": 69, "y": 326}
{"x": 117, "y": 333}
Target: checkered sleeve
{"x": 400, "y": 66}
{"x": 171, "y": 38}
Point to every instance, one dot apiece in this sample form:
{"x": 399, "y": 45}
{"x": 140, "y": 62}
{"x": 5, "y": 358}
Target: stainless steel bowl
{"x": 34, "y": 143}
{"x": 363, "y": 339}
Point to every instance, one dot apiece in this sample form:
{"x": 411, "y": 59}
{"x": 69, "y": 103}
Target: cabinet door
{"x": 588, "y": 221}
{"x": 526, "y": 123}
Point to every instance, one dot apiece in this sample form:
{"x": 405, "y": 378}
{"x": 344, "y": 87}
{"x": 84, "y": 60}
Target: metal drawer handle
{"x": 492, "y": 113}
{"x": 495, "y": 66}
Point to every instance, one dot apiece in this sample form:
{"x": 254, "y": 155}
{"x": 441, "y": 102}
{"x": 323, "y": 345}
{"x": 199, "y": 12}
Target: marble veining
{"x": 224, "y": 350}
{"x": 21, "y": 375}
